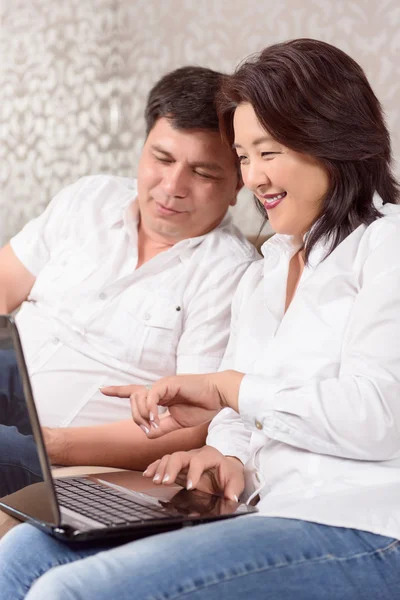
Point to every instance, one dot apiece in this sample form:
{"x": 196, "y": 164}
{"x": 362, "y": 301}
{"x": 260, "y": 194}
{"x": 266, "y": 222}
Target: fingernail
{"x": 235, "y": 498}
{"x": 166, "y": 478}
{"x": 145, "y": 429}
{"x": 154, "y": 424}
{"x": 156, "y": 477}
{"x": 189, "y": 484}
{"x": 144, "y": 472}
{"x": 151, "y": 416}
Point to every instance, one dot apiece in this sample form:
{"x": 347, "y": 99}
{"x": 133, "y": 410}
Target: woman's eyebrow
{"x": 256, "y": 142}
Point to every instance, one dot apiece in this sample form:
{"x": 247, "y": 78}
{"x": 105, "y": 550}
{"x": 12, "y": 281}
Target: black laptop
{"x": 90, "y": 507}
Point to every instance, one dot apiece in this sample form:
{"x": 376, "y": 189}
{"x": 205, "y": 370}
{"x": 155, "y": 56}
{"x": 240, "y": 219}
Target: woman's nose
{"x": 255, "y": 176}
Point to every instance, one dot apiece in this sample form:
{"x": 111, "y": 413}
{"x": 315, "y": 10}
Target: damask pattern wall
{"x": 74, "y": 76}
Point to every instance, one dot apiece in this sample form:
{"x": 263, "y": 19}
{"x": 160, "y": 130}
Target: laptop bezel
{"x": 8, "y": 322}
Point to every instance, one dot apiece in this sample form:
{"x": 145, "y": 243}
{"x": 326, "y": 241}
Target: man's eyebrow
{"x": 257, "y": 142}
{"x": 160, "y": 149}
{"x": 209, "y": 166}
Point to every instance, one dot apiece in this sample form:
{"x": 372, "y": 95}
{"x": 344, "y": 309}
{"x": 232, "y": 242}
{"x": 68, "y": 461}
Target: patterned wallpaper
{"x": 74, "y": 76}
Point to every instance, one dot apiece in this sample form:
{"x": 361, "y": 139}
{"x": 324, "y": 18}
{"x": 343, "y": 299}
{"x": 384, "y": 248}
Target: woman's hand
{"x": 191, "y": 399}
{"x": 205, "y": 469}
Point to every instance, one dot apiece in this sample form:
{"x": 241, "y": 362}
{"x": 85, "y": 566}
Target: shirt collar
{"x": 129, "y": 217}
{"x": 284, "y": 244}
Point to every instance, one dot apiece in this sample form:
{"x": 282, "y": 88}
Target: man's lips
{"x": 271, "y": 200}
{"x": 164, "y": 210}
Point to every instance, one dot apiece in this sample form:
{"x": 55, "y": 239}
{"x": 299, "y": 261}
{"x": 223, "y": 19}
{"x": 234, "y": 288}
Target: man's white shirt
{"x": 319, "y": 424}
{"x": 92, "y": 319}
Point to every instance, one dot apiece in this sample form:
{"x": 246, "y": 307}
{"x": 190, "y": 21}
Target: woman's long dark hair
{"x": 315, "y": 99}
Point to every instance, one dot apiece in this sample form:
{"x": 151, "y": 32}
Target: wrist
{"x": 228, "y": 385}
{"x": 56, "y": 445}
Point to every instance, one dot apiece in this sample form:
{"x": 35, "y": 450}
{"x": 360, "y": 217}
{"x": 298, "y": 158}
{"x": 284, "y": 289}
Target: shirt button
{"x": 55, "y": 340}
{"x": 102, "y": 296}
{"x": 258, "y": 478}
{"x": 146, "y": 316}
{"x": 258, "y": 424}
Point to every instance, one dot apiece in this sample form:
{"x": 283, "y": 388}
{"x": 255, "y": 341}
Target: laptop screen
{"x": 23, "y": 485}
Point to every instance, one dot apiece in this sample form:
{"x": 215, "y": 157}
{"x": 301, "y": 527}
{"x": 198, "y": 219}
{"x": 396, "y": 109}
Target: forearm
{"x": 121, "y": 444}
{"x": 228, "y": 385}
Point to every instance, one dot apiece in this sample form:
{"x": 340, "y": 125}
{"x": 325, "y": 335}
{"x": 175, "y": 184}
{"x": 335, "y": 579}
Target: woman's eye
{"x": 241, "y": 159}
{"x": 269, "y": 154}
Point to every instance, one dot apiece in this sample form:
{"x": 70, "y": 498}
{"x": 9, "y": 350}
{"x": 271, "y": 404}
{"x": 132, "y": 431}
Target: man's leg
{"x": 19, "y": 464}
{"x": 12, "y": 404}
{"x": 249, "y": 557}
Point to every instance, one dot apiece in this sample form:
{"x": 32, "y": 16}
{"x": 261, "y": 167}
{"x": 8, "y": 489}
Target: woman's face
{"x": 291, "y": 186}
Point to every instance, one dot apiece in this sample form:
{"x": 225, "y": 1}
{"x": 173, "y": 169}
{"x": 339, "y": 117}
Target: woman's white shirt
{"x": 319, "y": 424}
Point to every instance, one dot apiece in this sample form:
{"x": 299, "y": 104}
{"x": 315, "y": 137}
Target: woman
{"x": 311, "y": 397}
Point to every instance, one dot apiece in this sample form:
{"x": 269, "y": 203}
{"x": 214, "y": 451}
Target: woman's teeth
{"x": 275, "y": 198}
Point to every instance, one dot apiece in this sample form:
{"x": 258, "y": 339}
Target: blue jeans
{"x": 261, "y": 558}
{"x": 19, "y": 464}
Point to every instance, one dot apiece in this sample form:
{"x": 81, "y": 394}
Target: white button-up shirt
{"x": 319, "y": 423}
{"x": 92, "y": 319}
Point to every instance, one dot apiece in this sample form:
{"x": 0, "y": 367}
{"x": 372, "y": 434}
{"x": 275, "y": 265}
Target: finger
{"x": 119, "y": 391}
{"x": 234, "y": 487}
{"x": 178, "y": 461}
{"x": 167, "y": 425}
{"x": 161, "y": 470}
{"x": 151, "y": 469}
{"x": 152, "y": 411}
{"x": 137, "y": 417}
{"x": 141, "y": 404}
{"x": 201, "y": 462}
{"x": 164, "y": 391}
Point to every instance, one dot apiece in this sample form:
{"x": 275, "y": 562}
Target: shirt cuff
{"x": 256, "y": 398}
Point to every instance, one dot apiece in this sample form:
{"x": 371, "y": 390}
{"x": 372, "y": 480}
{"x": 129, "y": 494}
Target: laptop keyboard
{"x": 105, "y": 504}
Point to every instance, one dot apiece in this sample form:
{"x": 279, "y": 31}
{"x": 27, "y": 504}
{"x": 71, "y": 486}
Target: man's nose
{"x": 176, "y": 182}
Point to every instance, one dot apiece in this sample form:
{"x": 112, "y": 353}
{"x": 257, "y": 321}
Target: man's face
{"x": 186, "y": 182}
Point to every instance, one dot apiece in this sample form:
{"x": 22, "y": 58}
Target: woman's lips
{"x": 271, "y": 200}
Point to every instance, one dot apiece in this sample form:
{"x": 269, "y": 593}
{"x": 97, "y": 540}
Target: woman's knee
{"x": 52, "y": 584}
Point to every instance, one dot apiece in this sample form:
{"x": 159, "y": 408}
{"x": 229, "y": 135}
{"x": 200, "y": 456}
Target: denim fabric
{"x": 261, "y": 558}
{"x": 19, "y": 465}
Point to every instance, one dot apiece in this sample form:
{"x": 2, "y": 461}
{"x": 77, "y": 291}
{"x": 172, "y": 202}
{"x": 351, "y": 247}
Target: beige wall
{"x": 74, "y": 76}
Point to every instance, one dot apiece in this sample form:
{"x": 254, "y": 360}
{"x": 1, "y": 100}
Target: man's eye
{"x": 163, "y": 159}
{"x": 204, "y": 175}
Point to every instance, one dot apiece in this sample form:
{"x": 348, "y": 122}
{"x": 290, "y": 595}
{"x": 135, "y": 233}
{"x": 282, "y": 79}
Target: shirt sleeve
{"x": 357, "y": 414}
{"x": 227, "y": 431}
{"x": 207, "y": 324}
{"x": 34, "y": 243}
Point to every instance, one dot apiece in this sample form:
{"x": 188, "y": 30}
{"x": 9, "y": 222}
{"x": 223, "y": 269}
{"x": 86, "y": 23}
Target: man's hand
{"x": 204, "y": 469}
{"x": 191, "y": 399}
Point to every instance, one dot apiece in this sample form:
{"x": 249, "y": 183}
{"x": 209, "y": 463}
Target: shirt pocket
{"x": 62, "y": 276}
{"x": 149, "y": 327}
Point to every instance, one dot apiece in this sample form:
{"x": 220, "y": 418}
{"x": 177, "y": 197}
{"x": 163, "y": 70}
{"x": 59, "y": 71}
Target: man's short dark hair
{"x": 186, "y": 96}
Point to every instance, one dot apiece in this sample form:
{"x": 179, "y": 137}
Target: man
{"x": 124, "y": 282}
